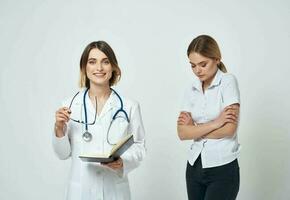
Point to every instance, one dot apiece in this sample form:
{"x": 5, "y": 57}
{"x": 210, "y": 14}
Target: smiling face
{"x": 98, "y": 68}
{"x": 204, "y": 68}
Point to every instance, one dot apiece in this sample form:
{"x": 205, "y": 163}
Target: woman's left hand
{"x": 118, "y": 164}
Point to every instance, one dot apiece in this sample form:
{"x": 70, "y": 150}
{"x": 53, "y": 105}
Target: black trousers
{"x": 216, "y": 183}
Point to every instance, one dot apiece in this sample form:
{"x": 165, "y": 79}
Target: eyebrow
{"x": 96, "y": 59}
{"x": 198, "y": 63}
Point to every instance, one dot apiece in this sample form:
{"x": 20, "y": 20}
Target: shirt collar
{"x": 217, "y": 78}
{"x": 197, "y": 84}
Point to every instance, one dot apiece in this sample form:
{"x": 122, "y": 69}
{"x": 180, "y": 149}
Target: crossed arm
{"x": 224, "y": 125}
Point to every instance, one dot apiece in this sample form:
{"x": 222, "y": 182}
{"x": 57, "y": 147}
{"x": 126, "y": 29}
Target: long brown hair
{"x": 108, "y": 51}
{"x": 207, "y": 47}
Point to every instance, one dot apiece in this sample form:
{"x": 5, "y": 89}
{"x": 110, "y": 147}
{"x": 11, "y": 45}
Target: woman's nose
{"x": 99, "y": 66}
{"x": 198, "y": 70}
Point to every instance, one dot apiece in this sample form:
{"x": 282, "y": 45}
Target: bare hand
{"x": 185, "y": 119}
{"x": 230, "y": 114}
{"x": 61, "y": 118}
{"x": 118, "y": 164}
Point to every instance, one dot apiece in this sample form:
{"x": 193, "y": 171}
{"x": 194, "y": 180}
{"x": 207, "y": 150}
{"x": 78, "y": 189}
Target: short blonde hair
{"x": 108, "y": 51}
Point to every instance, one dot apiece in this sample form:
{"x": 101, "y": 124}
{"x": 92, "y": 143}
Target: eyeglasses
{"x": 81, "y": 121}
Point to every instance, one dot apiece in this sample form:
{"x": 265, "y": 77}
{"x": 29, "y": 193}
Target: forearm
{"x": 189, "y": 132}
{"x": 133, "y": 157}
{"x": 59, "y": 131}
{"x": 61, "y": 145}
{"x": 228, "y": 130}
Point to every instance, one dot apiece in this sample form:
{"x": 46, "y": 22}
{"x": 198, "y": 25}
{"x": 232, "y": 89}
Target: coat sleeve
{"x": 136, "y": 153}
{"x": 61, "y": 146}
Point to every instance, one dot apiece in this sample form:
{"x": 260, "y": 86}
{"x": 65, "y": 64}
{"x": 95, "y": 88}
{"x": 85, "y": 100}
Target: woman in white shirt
{"x": 209, "y": 117}
{"x": 85, "y": 125}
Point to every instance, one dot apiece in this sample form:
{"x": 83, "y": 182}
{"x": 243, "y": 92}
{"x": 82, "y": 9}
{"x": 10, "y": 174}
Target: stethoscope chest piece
{"x": 87, "y": 136}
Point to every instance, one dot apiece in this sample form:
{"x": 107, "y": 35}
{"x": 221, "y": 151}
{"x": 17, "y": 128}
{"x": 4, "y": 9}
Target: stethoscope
{"x": 87, "y": 136}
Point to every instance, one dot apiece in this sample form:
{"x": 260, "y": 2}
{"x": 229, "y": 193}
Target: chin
{"x": 101, "y": 83}
{"x": 202, "y": 79}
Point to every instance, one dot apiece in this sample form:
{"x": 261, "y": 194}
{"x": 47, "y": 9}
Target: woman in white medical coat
{"x": 95, "y": 105}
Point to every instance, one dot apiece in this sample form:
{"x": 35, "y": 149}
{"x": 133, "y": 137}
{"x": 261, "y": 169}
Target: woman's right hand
{"x": 61, "y": 118}
{"x": 185, "y": 119}
{"x": 230, "y": 114}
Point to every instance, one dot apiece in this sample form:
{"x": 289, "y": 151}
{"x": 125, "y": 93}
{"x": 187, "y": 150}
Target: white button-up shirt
{"x": 207, "y": 106}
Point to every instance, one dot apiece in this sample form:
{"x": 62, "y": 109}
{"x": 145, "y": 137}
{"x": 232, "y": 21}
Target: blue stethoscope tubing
{"x": 121, "y": 109}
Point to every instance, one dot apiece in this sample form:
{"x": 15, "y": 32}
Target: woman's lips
{"x": 99, "y": 74}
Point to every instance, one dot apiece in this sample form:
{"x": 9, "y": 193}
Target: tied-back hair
{"x": 207, "y": 47}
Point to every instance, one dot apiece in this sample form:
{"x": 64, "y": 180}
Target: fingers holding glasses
{"x": 62, "y": 115}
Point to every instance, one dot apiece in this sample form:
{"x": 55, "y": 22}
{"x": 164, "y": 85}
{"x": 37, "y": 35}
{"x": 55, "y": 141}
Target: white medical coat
{"x": 91, "y": 180}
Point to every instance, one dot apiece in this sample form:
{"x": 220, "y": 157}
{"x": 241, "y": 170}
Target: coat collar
{"x": 111, "y": 103}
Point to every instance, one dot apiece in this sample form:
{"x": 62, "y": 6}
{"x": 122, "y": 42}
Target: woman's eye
{"x": 204, "y": 65}
{"x": 92, "y": 62}
{"x": 106, "y": 62}
{"x": 192, "y": 66}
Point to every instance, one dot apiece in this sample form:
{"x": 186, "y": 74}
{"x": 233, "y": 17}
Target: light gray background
{"x": 40, "y": 46}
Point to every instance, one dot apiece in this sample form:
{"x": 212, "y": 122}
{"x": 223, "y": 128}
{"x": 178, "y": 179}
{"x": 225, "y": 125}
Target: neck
{"x": 101, "y": 92}
{"x": 206, "y": 83}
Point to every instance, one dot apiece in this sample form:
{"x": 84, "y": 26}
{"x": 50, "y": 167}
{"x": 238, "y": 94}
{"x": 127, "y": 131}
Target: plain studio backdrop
{"x": 40, "y": 46}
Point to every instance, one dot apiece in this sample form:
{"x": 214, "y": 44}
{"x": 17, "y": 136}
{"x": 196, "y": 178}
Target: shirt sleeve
{"x": 136, "y": 153}
{"x": 230, "y": 93}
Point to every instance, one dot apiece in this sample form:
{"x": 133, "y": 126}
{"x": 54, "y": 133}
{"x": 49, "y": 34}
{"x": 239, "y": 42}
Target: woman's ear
{"x": 218, "y": 61}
